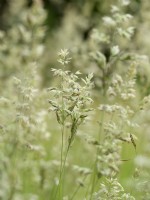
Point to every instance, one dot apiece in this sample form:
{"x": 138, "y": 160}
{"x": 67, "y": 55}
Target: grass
{"x": 73, "y": 140}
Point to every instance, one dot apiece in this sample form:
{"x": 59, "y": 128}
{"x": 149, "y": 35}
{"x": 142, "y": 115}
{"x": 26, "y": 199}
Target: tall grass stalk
{"x": 71, "y": 101}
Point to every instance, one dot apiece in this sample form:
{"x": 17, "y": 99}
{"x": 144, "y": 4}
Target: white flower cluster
{"x": 112, "y": 189}
{"x": 71, "y": 100}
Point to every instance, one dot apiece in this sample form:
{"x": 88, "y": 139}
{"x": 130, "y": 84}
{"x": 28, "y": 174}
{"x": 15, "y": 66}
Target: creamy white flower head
{"x": 108, "y": 21}
{"x": 115, "y": 50}
{"x": 63, "y": 56}
{"x": 63, "y": 52}
{"x": 125, "y": 2}
{"x": 114, "y": 9}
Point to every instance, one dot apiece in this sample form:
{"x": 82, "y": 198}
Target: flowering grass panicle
{"x": 56, "y": 150}
{"x": 112, "y": 189}
{"x": 71, "y": 103}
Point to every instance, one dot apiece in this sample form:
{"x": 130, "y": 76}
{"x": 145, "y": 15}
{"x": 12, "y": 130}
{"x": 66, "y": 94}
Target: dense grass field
{"x": 74, "y": 100}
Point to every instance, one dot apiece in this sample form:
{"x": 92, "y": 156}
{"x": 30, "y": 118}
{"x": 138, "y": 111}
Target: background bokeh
{"x": 32, "y": 32}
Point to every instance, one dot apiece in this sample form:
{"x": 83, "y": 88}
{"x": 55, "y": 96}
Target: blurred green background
{"x": 31, "y": 34}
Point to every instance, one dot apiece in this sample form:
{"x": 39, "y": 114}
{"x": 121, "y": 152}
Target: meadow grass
{"x": 86, "y": 135}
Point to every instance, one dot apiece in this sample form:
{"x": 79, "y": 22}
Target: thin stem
{"x": 97, "y": 152}
{"x": 62, "y": 143}
{"x": 101, "y": 126}
{"x": 94, "y": 179}
{"x": 61, "y": 166}
{"x": 65, "y": 158}
{"x": 92, "y": 167}
{"x": 61, "y": 162}
{"x": 77, "y": 189}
